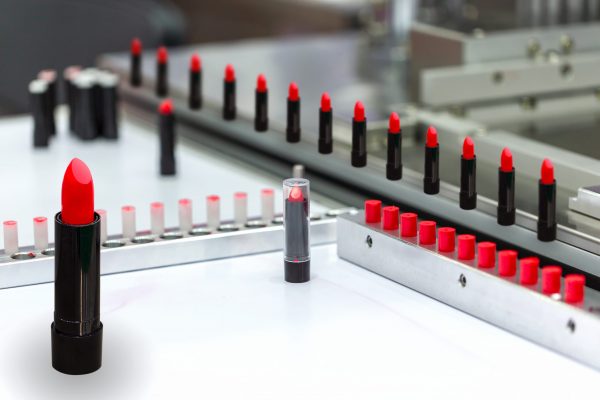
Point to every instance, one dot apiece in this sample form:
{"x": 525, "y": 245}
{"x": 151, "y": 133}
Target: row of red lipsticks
{"x": 483, "y": 255}
{"x": 157, "y": 220}
{"x": 506, "y": 211}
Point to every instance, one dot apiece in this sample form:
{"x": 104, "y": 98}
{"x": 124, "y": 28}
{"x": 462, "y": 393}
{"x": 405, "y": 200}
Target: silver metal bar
{"x": 174, "y": 250}
{"x": 570, "y": 330}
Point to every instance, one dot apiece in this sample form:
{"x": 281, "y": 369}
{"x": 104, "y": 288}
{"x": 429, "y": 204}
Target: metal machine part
{"x": 567, "y": 329}
{"x": 587, "y": 201}
{"x": 146, "y": 251}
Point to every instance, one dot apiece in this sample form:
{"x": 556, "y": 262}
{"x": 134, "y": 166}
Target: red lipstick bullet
{"x": 261, "y": 112}
{"x": 229, "y": 109}
{"x": 506, "y": 189}
{"x": 135, "y": 74}
{"x": 293, "y": 114}
{"x": 195, "y": 95}
{"x": 325, "y": 125}
{"x": 431, "y": 180}
{"x": 77, "y": 330}
{"x": 393, "y": 168}
{"x": 359, "y": 136}
{"x": 468, "y": 169}
{"x": 166, "y": 126}
{"x": 546, "y": 227}
{"x": 162, "y": 82}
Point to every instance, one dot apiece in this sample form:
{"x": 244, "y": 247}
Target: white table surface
{"x": 232, "y": 328}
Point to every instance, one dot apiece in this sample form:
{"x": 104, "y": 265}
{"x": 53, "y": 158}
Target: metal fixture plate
{"x": 570, "y": 330}
{"x": 587, "y": 201}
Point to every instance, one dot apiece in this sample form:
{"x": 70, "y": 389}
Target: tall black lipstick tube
{"x": 359, "y": 143}
{"x": 468, "y": 191}
{"x": 506, "y": 197}
{"x": 431, "y": 180}
{"x": 325, "y": 131}
{"x": 69, "y": 75}
{"x": 86, "y": 126}
{"x": 166, "y": 123}
{"x": 50, "y": 77}
{"x": 38, "y": 89}
{"x": 77, "y": 330}
{"x": 293, "y": 121}
{"x": 546, "y": 226}
{"x": 162, "y": 83}
{"x": 261, "y": 111}
{"x": 135, "y": 74}
{"x": 296, "y": 222}
{"x": 195, "y": 96}
{"x": 393, "y": 167}
{"x": 108, "y": 102}
{"x": 229, "y": 108}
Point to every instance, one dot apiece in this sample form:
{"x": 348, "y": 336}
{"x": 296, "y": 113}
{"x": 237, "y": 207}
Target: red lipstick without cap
{"x": 76, "y": 333}
{"x": 162, "y": 56}
{"x": 162, "y": 84}
{"x": 135, "y": 73}
{"x": 195, "y": 91}
{"x": 546, "y": 227}
{"x": 261, "y": 112}
{"x": 359, "y": 136}
{"x": 229, "y": 73}
{"x": 136, "y": 47}
{"x": 431, "y": 180}
{"x": 468, "y": 176}
{"x": 195, "y": 63}
{"x": 359, "y": 111}
{"x": 325, "y": 125}
{"x": 229, "y": 107}
{"x": 393, "y": 166}
{"x": 506, "y": 189}
{"x": 293, "y": 114}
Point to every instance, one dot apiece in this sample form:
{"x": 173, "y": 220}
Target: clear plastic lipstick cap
{"x": 296, "y": 189}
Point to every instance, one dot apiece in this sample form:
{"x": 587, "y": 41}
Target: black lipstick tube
{"x": 546, "y": 226}
{"x": 506, "y": 197}
{"x": 293, "y": 121}
{"x": 325, "y": 131}
{"x": 393, "y": 167}
{"x": 166, "y": 123}
{"x": 431, "y": 180}
{"x": 359, "y": 143}
{"x": 77, "y": 331}
{"x": 51, "y": 106}
{"x": 85, "y": 114}
{"x": 162, "y": 83}
{"x": 108, "y": 102}
{"x": 135, "y": 74}
{"x": 261, "y": 111}
{"x": 468, "y": 190}
{"x": 195, "y": 96}
{"x": 38, "y": 89}
{"x": 229, "y": 110}
{"x": 296, "y": 221}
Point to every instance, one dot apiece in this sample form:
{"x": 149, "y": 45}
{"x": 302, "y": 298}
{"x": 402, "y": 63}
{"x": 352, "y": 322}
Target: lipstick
{"x": 135, "y": 74}
{"x": 38, "y": 92}
{"x": 468, "y": 169}
{"x": 296, "y": 217}
{"x": 431, "y": 180}
{"x": 293, "y": 114}
{"x": 261, "y": 112}
{"x": 77, "y": 330}
{"x": 49, "y": 75}
{"x": 108, "y": 105}
{"x": 85, "y": 126}
{"x": 546, "y": 226}
{"x": 393, "y": 168}
{"x": 325, "y": 125}
{"x": 166, "y": 126}
{"x": 162, "y": 83}
{"x": 69, "y": 75}
{"x": 229, "y": 110}
{"x": 195, "y": 95}
{"x": 359, "y": 136}
{"x": 506, "y": 189}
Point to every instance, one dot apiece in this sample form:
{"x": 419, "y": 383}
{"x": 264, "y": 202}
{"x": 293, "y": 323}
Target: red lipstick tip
{"x": 229, "y": 73}
{"x": 296, "y": 194}
{"x": 468, "y": 149}
{"x": 136, "y": 47}
{"x": 166, "y": 107}
{"x": 261, "y": 83}
{"x": 432, "y": 137}
{"x": 162, "y": 55}
{"x": 195, "y": 63}
{"x": 77, "y": 194}
{"x": 506, "y": 160}
{"x": 359, "y": 111}
{"x": 394, "y": 124}
{"x": 547, "y": 172}
{"x": 325, "y": 102}
{"x": 293, "y": 93}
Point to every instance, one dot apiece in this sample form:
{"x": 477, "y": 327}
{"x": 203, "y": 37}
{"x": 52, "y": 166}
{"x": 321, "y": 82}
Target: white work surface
{"x": 233, "y": 328}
